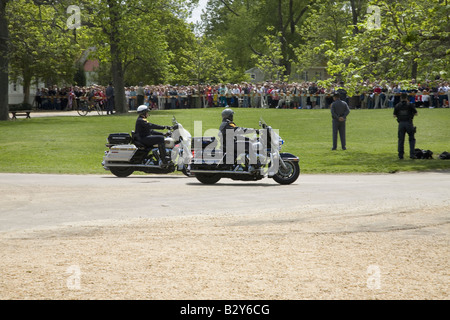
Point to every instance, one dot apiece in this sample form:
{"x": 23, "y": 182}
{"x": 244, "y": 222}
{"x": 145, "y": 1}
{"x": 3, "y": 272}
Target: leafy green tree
{"x": 5, "y": 45}
{"x": 232, "y": 26}
{"x": 244, "y": 25}
{"x": 269, "y": 63}
{"x": 406, "y": 39}
{"x": 205, "y": 64}
{"x": 326, "y": 23}
{"x": 41, "y": 46}
{"x": 136, "y": 38}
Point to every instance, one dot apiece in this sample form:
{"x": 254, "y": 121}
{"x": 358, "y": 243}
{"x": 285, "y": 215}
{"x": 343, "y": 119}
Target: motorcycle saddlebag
{"x": 119, "y": 138}
{"x": 121, "y": 152}
{"x": 202, "y": 142}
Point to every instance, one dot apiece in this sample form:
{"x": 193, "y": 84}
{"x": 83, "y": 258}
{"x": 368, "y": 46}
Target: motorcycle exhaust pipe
{"x": 109, "y": 165}
{"x": 222, "y": 172}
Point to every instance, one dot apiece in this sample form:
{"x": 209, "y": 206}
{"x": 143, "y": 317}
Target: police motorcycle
{"x": 127, "y": 155}
{"x": 263, "y": 159}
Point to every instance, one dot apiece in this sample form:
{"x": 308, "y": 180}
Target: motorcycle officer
{"x": 149, "y": 137}
{"x": 226, "y": 127}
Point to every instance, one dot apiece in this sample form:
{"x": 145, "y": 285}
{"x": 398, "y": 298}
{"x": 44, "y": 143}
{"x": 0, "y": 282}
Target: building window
{"x": 318, "y": 75}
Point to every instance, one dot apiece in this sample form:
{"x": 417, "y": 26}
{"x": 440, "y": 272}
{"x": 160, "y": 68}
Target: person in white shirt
{"x": 235, "y": 91}
{"x": 443, "y": 95}
{"x": 426, "y": 99}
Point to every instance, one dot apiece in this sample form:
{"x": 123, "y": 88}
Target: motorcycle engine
{"x": 169, "y": 142}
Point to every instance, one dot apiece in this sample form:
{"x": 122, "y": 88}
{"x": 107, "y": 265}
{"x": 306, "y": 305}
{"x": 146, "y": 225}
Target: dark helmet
{"x": 227, "y": 114}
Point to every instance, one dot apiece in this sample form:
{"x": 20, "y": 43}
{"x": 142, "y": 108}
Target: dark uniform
{"x": 147, "y": 136}
{"x": 339, "y": 113}
{"x": 110, "y": 99}
{"x": 405, "y": 112}
{"x": 237, "y": 136}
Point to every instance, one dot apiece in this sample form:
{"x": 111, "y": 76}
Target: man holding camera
{"x": 405, "y": 112}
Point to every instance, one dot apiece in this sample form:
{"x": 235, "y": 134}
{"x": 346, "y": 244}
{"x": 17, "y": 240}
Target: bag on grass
{"x": 444, "y": 156}
{"x": 423, "y": 154}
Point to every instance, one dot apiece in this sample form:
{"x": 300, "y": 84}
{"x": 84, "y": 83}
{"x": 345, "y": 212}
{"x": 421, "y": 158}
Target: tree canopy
{"x": 397, "y": 40}
{"x": 151, "y": 41}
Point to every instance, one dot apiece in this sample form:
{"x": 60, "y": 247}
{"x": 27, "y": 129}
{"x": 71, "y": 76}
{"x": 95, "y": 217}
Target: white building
{"x": 15, "y": 93}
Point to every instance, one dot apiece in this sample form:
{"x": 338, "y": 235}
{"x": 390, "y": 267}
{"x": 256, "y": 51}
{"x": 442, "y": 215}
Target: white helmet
{"x": 142, "y": 109}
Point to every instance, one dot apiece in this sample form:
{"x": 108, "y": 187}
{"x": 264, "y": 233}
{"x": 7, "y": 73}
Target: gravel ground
{"x": 329, "y": 245}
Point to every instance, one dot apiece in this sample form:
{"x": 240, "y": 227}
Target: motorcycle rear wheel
{"x": 121, "y": 172}
{"x": 288, "y": 175}
{"x": 207, "y": 178}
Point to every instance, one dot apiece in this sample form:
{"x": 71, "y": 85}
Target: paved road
{"x": 43, "y": 200}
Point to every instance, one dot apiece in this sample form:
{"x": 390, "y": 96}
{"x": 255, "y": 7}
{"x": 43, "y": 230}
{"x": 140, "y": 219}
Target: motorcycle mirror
{"x": 262, "y": 123}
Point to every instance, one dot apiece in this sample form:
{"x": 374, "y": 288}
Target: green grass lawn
{"x": 76, "y": 145}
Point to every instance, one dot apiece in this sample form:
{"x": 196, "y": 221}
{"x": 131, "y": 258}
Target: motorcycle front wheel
{"x": 185, "y": 170}
{"x": 288, "y": 175}
{"x": 121, "y": 172}
{"x": 206, "y": 178}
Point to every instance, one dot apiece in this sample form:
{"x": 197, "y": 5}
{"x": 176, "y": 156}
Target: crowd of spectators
{"x": 68, "y": 98}
{"x": 297, "y": 95}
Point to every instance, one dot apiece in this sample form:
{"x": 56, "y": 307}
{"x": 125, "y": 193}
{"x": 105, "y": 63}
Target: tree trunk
{"x": 118, "y": 82}
{"x": 4, "y": 81}
{"x": 414, "y": 70}
{"x": 27, "y": 77}
{"x": 116, "y": 61}
{"x": 355, "y": 13}
{"x": 26, "y": 90}
{"x": 282, "y": 38}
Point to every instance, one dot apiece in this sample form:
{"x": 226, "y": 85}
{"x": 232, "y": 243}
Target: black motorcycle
{"x": 262, "y": 159}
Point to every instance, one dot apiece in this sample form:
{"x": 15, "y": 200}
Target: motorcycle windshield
{"x": 184, "y": 134}
{"x": 262, "y": 123}
{"x": 275, "y": 138}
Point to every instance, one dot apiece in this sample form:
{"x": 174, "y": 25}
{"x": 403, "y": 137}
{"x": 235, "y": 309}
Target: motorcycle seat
{"x": 136, "y": 142}
{"x": 139, "y": 145}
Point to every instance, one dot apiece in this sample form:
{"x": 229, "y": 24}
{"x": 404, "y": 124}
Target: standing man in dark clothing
{"x": 339, "y": 113}
{"x": 140, "y": 94}
{"x": 173, "y": 93}
{"x": 109, "y": 99}
{"x": 405, "y": 112}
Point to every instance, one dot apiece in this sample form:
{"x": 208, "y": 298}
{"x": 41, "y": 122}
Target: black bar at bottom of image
{"x": 222, "y": 309}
